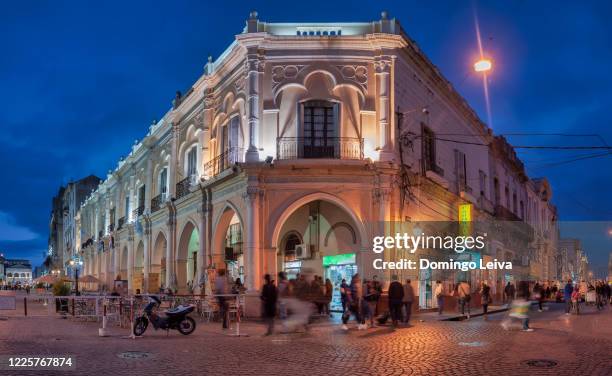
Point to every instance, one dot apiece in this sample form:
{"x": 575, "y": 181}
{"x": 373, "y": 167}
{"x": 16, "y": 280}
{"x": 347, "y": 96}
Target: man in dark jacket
{"x": 396, "y": 295}
{"x": 269, "y": 295}
{"x": 567, "y": 295}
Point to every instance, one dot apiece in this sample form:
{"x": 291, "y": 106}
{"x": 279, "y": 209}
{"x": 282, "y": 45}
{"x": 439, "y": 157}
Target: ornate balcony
{"x": 316, "y": 148}
{"x": 182, "y": 187}
{"x": 120, "y": 223}
{"x": 138, "y": 211}
{"x": 157, "y": 203}
{"x": 223, "y": 161}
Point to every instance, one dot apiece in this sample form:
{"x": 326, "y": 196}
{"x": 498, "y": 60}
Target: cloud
{"x": 10, "y": 231}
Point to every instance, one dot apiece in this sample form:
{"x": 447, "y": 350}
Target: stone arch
{"x": 186, "y": 256}
{"x": 138, "y": 272}
{"x": 157, "y": 270}
{"x": 221, "y": 226}
{"x": 295, "y": 204}
{"x": 337, "y": 226}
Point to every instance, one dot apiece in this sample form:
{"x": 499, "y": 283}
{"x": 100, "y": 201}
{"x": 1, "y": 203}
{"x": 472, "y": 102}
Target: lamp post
{"x": 75, "y": 263}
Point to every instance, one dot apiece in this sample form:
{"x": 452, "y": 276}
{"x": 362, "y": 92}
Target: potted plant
{"x": 61, "y": 289}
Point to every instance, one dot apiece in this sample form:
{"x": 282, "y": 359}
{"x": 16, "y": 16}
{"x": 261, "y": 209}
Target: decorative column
{"x": 253, "y": 255}
{"x": 254, "y": 66}
{"x": 201, "y": 256}
{"x": 148, "y": 182}
{"x": 130, "y": 259}
{"x": 383, "y": 78}
{"x": 170, "y": 274}
{"x": 173, "y": 162}
{"x": 147, "y": 253}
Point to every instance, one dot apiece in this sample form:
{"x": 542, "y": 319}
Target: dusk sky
{"x": 80, "y": 81}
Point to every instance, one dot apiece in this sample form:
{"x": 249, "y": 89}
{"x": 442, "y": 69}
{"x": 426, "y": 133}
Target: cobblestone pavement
{"x": 578, "y": 344}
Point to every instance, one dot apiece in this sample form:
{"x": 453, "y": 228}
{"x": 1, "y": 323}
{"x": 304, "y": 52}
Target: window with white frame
{"x": 163, "y": 183}
{"x": 192, "y": 160}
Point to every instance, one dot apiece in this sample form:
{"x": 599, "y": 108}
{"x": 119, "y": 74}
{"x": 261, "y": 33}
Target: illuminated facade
{"x": 288, "y": 150}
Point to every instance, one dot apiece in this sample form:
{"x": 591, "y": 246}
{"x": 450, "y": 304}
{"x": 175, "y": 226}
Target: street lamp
{"x": 483, "y": 65}
{"x": 75, "y": 265}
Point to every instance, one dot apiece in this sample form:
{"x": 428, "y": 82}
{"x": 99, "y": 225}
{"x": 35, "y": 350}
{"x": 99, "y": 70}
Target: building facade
{"x": 62, "y": 223}
{"x": 296, "y": 147}
{"x": 17, "y": 272}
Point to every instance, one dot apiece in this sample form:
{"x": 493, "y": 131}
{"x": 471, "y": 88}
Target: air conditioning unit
{"x": 302, "y": 251}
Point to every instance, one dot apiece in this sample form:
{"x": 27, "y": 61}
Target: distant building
{"x": 62, "y": 228}
{"x": 18, "y": 272}
{"x": 2, "y": 274}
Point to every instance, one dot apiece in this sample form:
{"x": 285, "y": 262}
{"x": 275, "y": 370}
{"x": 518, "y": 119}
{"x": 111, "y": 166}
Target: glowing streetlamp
{"x": 483, "y": 65}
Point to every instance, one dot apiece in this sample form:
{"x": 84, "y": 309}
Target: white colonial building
{"x": 294, "y": 148}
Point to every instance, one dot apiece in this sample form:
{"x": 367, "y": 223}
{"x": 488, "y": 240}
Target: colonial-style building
{"x": 296, "y": 146}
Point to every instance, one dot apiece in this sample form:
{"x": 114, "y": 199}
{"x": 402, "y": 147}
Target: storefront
{"x": 337, "y": 268}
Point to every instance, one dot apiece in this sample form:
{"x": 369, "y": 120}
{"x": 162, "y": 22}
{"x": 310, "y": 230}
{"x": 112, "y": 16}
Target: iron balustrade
{"x": 121, "y": 223}
{"x": 138, "y": 211}
{"x": 223, "y": 161}
{"x": 323, "y": 147}
{"x": 156, "y": 203}
{"x": 182, "y": 187}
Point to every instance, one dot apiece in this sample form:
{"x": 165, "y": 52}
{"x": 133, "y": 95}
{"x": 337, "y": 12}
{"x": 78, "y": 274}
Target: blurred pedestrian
{"x": 509, "y": 292}
{"x": 269, "y": 295}
{"x": 344, "y": 291}
{"x": 329, "y": 293}
{"x": 354, "y": 301}
{"x": 407, "y": 300}
{"x": 567, "y": 296}
{"x": 485, "y": 298}
{"x": 538, "y": 295}
{"x": 396, "y": 296}
{"x": 221, "y": 291}
{"x": 439, "y": 293}
{"x": 464, "y": 297}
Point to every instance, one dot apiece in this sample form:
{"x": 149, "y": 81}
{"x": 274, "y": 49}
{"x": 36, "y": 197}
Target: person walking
{"x": 463, "y": 293}
{"x": 439, "y": 293}
{"x": 269, "y": 295}
{"x": 509, "y": 291}
{"x": 329, "y": 292}
{"x": 377, "y": 287}
{"x": 407, "y": 300}
{"x": 355, "y": 297}
{"x": 344, "y": 291}
{"x": 567, "y": 296}
{"x": 221, "y": 291}
{"x": 369, "y": 302}
{"x": 396, "y": 295}
{"x": 485, "y": 298}
{"x": 538, "y": 294}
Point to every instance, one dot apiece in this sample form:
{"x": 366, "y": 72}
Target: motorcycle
{"x": 176, "y": 318}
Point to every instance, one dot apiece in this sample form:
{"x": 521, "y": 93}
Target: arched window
{"x": 319, "y": 129}
{"x": 191, "y": 162}
{"x": 163, "y": 183}
{"x": 290, "y": 243}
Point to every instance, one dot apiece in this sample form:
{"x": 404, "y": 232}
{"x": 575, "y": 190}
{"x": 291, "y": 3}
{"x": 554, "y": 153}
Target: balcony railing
{"x": 323, "y": 147}
{"x": 223, "y": 161}
{"x": 157, "y": 202}
{"x": 138, "y": 211}
{"x": 182, "y": 187}
{"x": 121, "y": 223}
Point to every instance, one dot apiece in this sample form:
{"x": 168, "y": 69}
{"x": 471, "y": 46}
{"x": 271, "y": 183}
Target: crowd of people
{"x": 297, "y": 301}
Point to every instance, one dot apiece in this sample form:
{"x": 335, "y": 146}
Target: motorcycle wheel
{"x": 187, "y": 326}
{"x": 140, "y": 326}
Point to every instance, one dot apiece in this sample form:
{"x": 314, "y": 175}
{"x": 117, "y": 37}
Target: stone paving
{"x": 578, "y": 344}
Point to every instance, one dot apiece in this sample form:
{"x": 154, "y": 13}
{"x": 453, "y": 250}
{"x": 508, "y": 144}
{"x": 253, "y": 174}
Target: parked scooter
{"x": 176, "y": 318}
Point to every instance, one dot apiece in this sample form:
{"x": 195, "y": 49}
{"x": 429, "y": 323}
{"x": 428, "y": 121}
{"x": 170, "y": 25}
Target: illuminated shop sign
{"x": 347, "y": 258}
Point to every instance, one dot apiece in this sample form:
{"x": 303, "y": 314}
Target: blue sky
{"x": 80, "y": 81}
